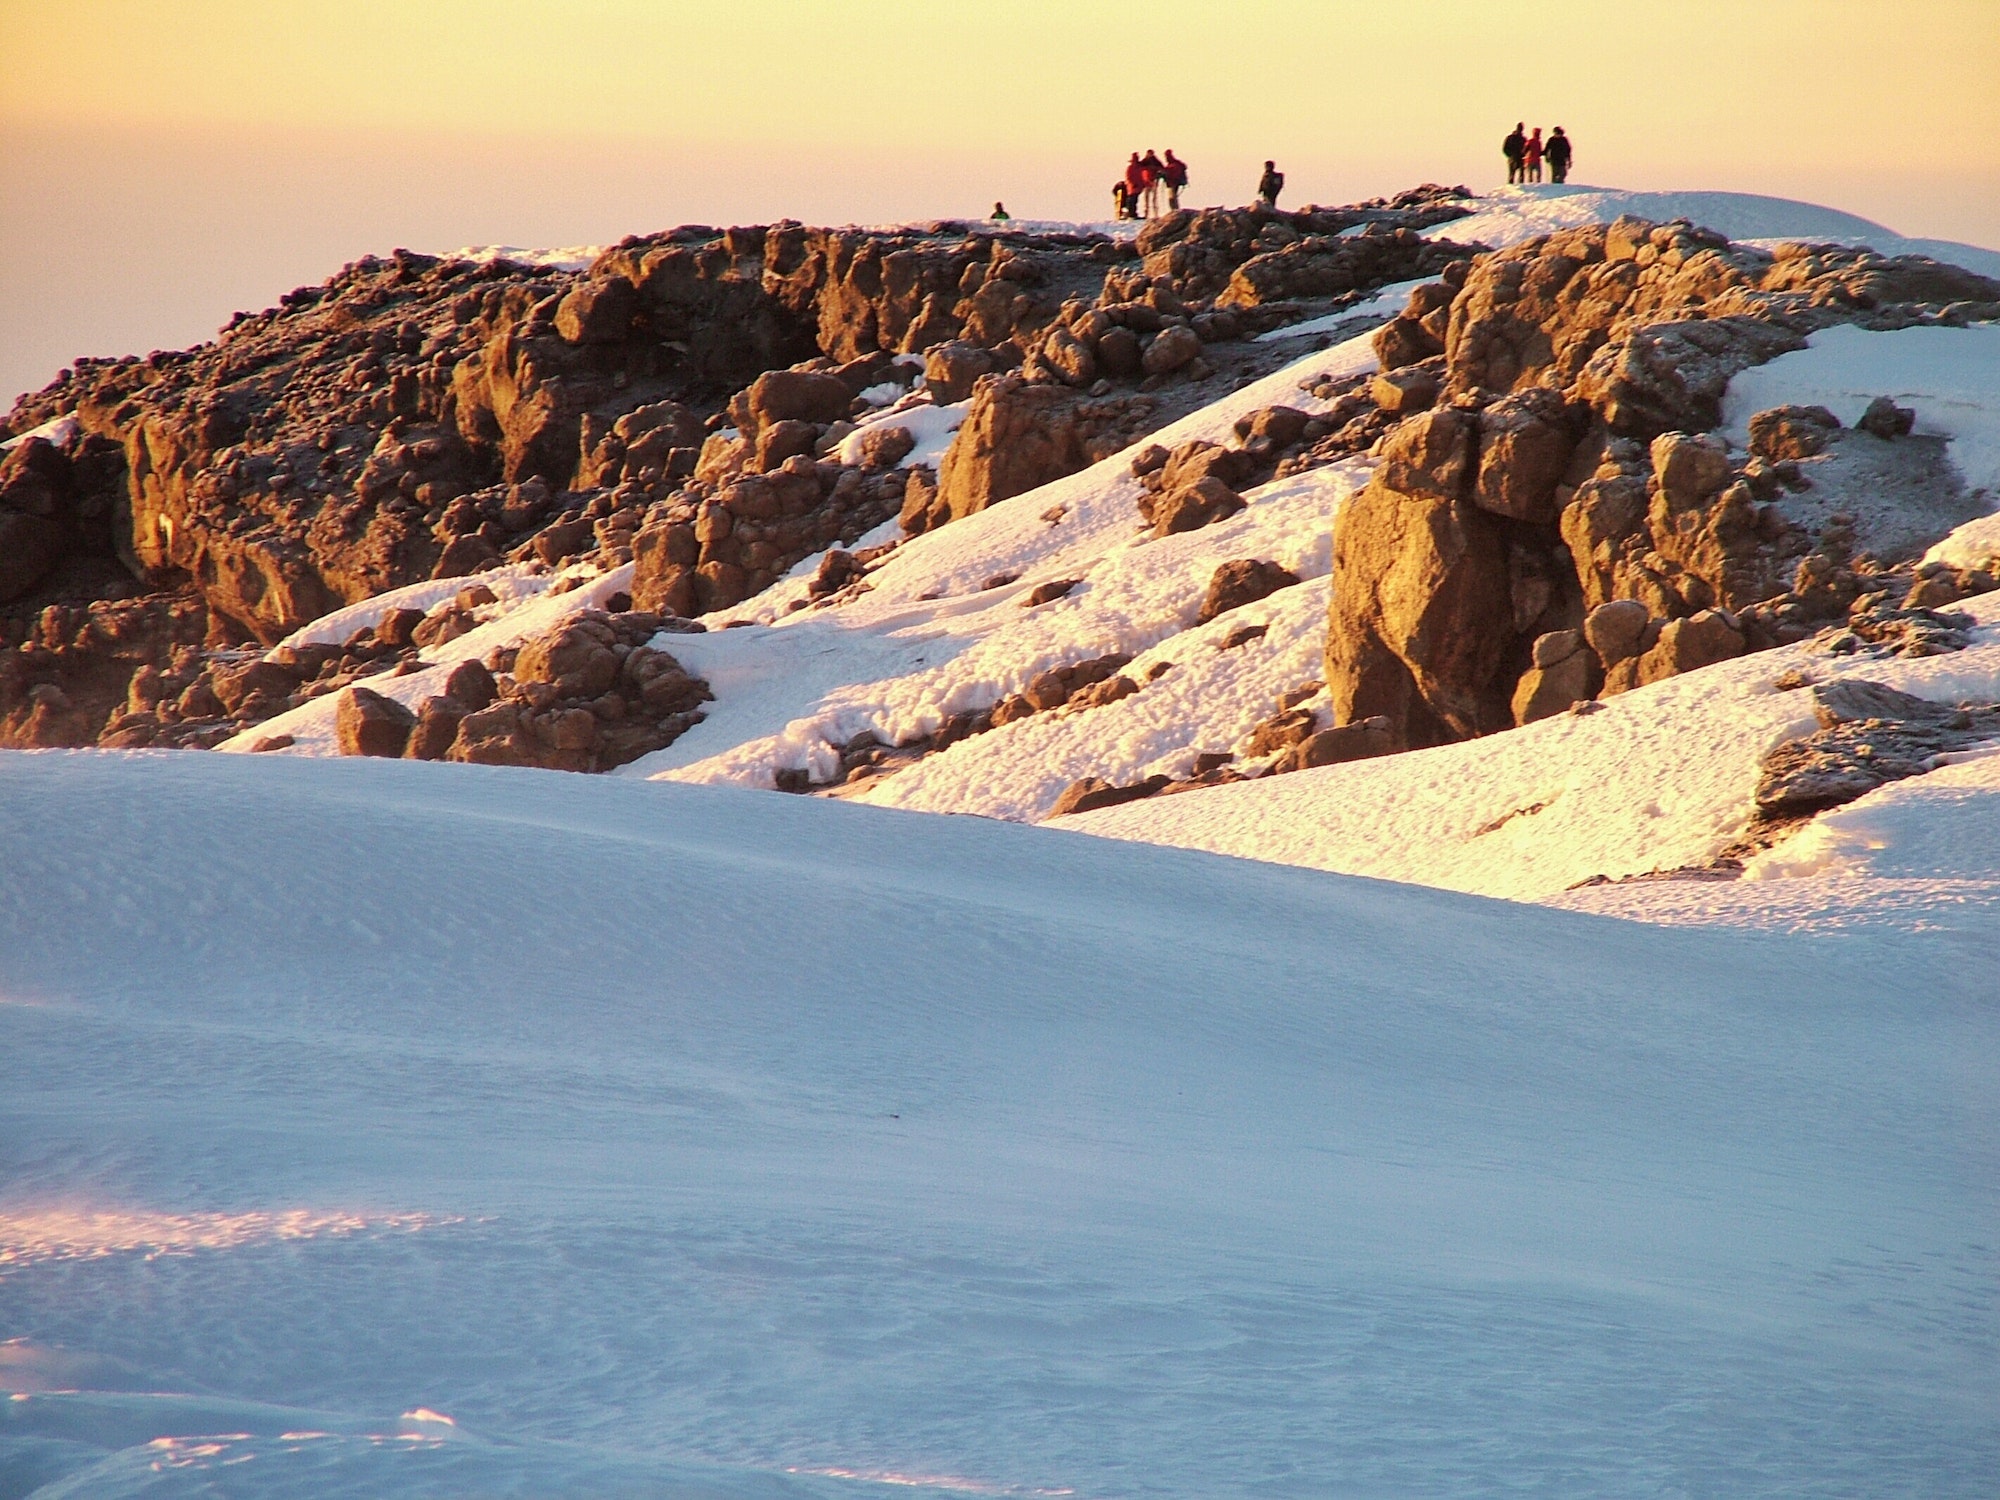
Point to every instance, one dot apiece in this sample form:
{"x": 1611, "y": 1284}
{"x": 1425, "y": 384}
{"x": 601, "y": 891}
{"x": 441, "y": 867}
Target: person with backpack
{"x": 1269, "y": 186}
{"x": 1135, "y": 185}
{"x": 1558, "y": 152}
{"x": 1515, "y": 149}
{"x": 1176, "y": 179}
{"x": 1533, "y": 156}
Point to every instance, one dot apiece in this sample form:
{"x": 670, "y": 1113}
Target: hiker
{"x": 1269, "y": 186}
{"x": 1176, "y": 175}
{"x": 1000, "y": 214}
{"x": 1515, "y": 148}
{"x": 1533, "y": 156}
{"x": 1558, "y": 153}
{"x": 1156, "y": 173}
{"x": 1135, "y": 185}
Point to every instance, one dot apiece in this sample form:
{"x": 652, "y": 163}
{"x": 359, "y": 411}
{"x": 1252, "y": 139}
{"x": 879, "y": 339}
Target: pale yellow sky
{"x": 163, "y": 163}
{"x": 1861, "y": 84}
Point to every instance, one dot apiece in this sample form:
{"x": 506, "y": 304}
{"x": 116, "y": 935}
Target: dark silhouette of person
{"x": 1534, "y": 156}
{"x": 1558, "y": 152}
{"x": 1176, "y": 178}
{"x": 1120, "y": 208}
{"x": 1000, "y": 214}
{"x": 1515, "y": 149}
{"x": 1156, "y": 173}
{"x": 1135, "y": 185}
{"x": 1270, "y": 185}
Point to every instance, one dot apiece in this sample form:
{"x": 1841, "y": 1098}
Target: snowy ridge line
{"x": 1506, "y": 216}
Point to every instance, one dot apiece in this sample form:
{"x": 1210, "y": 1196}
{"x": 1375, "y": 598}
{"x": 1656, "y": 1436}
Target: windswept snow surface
{"x": 395, "y": 1129}
{"x": 1509, "y": 215}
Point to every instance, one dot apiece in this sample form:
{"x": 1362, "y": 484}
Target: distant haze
{"x": 163, "y": 166}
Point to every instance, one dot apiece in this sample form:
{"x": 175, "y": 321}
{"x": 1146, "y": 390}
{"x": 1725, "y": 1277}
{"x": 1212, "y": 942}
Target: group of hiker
{"x": 1136, "y": 195}
{"x": 1525, "y": 153}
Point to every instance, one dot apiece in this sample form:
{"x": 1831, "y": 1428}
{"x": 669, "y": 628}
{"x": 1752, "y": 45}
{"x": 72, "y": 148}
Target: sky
{"x": 162, "y": 165}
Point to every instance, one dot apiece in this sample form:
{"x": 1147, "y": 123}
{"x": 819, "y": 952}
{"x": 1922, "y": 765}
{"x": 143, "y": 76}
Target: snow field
{"x": 1656, "y": 779}
{"x": 760, "y": 1141}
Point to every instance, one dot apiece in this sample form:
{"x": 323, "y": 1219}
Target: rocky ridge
{"x": 1552, "y": 523}
{"x": 676, "y": 402}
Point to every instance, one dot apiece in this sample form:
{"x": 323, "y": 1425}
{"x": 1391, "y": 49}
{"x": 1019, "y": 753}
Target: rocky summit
{"x": 1543, "y": 512}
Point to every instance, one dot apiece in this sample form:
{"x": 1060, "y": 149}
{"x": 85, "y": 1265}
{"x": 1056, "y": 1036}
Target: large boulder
{"x": 1421, "y": 629}
{"x": 1018, "y": 436}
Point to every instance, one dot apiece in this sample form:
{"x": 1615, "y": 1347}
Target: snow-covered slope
{"x": 1656, "y": 779}
{"x": 1508, "y": 215}
{"x": 396, "y": 1129}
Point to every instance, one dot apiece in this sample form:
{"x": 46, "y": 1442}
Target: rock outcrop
{"x": 1547, "y": 521}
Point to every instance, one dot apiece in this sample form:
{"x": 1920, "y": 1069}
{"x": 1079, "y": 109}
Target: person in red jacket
{"x": 1135, "y": 185}
{"x": 1533, "y": 156}
{"x": 1176, "y": 175}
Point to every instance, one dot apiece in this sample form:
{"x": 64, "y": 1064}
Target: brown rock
{"x": 1791, "y": 432}
{"x": 884, "y": 445}
{"x": 1421, "y": 627}
{"x": 1404, "y": 392}
{"x": 437, "y": 724}
{"x": 367, "y": 723}
{"x": 598, "y": 312}
{"x": 797, "y": 396}
{"x": 1616, "y": 630}
{"x": 495, "y": 736}
{"x": 1235, "y": 584}
{"x": 471, "y": 685}
{"x": 471, "y": 553}
{"x": 1093, "y": 792}
{"x": 1431, "y": 456}
{"x": 1687, "y": 645}
{"x": 1018, "y": 436}
{"x": 1405, "y": 341}
{"x": 1563, "y": 672}
{"x": 1171, "y": 349}
{"x": 1886, "y": 420}
{"x": 1194, "y": 506}
{"x": 1525, "y": 444}
{"x": 1332, "y": 747}
{"x": 398, "y": 627}
{"x": 573, "y": 658}
{"x": 952, "y": 369}
{"x": 1047, "y": 593}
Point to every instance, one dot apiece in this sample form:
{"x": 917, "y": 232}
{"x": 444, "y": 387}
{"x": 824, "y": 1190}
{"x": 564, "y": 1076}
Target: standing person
{"x": 1269, "y": 186}
{"x": 1120, "y": 208}
{"x": 1558, "y": 153}
{"x": 1156, "y": 172}
{"x": 1135, "y": 185}
{"x": 1176, "y": 171}
{"x": 1000, "y": 214}
{"x": 1534, "y": 156}
{"x": 1515, "y": 148}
